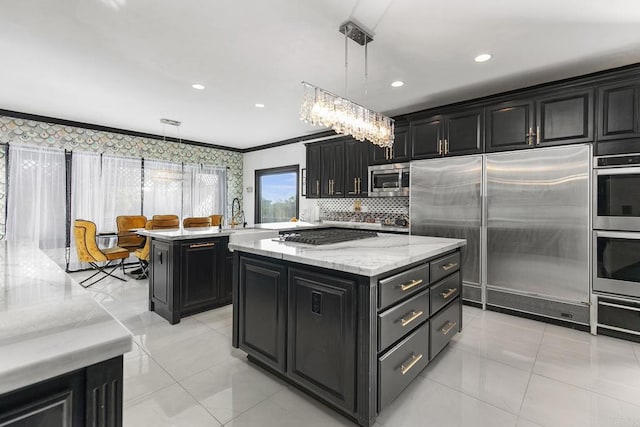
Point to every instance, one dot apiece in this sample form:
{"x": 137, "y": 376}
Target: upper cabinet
{"x": 455, "y": 133}
{"x": 617, "y": 128}
{"x": 561, "y": 117}
{"x": 313, "y": 171}
{"x": 510, "y": 125}
{"x": 400, "y": 152}
{"x": 356, "y": 167}
{"x": 332, "y": 169}
{"x": 564, "y": 117}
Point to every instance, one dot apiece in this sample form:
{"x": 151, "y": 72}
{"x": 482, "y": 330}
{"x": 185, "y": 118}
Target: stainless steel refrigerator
{"x": 525, "y": 215}
{"x": 445, "y": 201}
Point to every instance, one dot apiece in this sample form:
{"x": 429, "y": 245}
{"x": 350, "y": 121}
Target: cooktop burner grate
{"x": 326, "y": 236}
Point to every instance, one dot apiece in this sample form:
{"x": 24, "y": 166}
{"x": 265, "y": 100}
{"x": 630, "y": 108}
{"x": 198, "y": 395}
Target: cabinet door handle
{"x": 448, "y": 327}
{"x": 446, "y": 146}
{"x": 530, "y": 136}
{"x": 439, "y": 146}
{"x": 449, "y": 292}
{"x": 411, "y": 284}
{"x": 202, "y": 245}
{"x": 410, "y": 363}
{"x": 359, "y": 185}
{"x": 449, "y": 266}
{"x": 160, "y": 257}
{"x": 537, "y": 135}
{"x": 414, "y": 316}
{"x": 391, "y": 152}
{"x": 317, "y": 187}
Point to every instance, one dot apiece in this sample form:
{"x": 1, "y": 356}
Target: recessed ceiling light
{"x": 397, "y": 83}
{"x": 197, "y": 86}
{"x": 259, "y": 105}
{"x": 484, "y": 57}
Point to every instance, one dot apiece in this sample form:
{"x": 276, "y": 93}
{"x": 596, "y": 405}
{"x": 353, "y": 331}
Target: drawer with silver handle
{"x": 402, "y": 285}
{"x": 444, "y": 326}
{"x": 445, "y": 266}
{"x": 400, "y": 365}
{"x": 444, "y": 292}
{"x": 398, "y": 321}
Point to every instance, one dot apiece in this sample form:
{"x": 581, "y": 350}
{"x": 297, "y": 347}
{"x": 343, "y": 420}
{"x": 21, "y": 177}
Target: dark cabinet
{"x": 90, "y": 396}
{"x": 564, "y": 117}
{"x": 617, "y": 128}
{"x": 262, "y": 294}
{"x": 426, "y": 137}
{"x": 356, "y": 168}
{"x": 201, "y": 265}
{"x": 332, "y": 169}
{"x": 510, "y": 125}
{"x": 400, "y": 152}
{"x": 448, "y": 134}
{"x": 323, "y": 361}
{"x": 313, "y": 171}
{"x": 187, "y": 277}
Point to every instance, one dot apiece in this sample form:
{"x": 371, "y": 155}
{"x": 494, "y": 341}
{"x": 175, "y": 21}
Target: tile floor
{"x": 500, "y": 371}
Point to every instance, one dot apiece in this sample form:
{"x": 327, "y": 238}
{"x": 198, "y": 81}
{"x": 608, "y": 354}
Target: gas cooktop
{"x": 326, "y": 236}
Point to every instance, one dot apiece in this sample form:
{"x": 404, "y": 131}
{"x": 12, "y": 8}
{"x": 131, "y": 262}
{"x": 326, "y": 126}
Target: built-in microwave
{"x": 616, "y": 201}
{"x": 389, "y": 180}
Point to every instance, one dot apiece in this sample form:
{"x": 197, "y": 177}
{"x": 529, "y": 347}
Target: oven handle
{"x": 618, "y": 234}
{"x": 635, "y": 170}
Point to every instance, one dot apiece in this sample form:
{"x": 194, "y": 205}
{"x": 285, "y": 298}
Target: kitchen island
{"x": 60, "y": 351}
{"x": 351, "y": 323}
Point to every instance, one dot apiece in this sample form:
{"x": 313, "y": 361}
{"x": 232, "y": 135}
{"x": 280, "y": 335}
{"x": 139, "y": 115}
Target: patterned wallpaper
{"x": 19, "y": 131}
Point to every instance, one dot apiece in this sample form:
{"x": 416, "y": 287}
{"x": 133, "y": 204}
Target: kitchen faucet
{"x": 237, "y": 214}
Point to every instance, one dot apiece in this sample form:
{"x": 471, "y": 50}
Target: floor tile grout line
{"x": 493, "y": 359}
{"x": 535, "y": 359}
{"x": 138, "y": 400}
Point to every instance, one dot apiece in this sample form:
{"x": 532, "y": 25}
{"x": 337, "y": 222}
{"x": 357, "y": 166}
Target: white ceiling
{"x": 128, "y": 63}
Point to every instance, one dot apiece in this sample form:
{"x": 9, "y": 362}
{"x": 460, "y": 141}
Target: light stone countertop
{"x": 366, "y": 257}
{"x": 235, "y": 234}
{"x": 49, "y": 324}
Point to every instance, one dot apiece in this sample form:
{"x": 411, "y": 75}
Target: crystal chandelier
{"x": 323, "y": 108}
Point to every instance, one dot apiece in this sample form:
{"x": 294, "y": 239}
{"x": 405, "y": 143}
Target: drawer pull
{"x": 449, "y": 326}
{"x": 449, "y": 292}
{"x": 411, "y": 284}
{"x": 202, "y": 245}
{"x": 414, "y": 359}
{"x": 449, "y": 266}
{"x": 414, "y": 316}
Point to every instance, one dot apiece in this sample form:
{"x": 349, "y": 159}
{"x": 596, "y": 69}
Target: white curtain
{"x": 206, "y": 193}
{"x": 36, "y": 205}
{"x": 163, "y": 184}
{"x": 86, "y": 198}
{"x": 120, "y": 184}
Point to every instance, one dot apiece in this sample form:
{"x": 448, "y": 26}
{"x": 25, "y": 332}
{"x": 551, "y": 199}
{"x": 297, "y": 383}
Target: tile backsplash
{"x": 376, "y": 209}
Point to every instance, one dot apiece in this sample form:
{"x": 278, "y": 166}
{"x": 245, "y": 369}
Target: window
{"x": 276, "y": 194}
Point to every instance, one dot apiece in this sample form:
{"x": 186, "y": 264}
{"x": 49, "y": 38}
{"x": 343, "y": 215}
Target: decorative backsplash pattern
{"x": 373, "y": 208}
{"x": 19, "y": 131}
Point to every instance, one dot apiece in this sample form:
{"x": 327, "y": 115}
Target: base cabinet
{"x": 188, "y": 277}
{"x": 323, "y": 361}
{"x": 87, "y": 397}
{"x": 354, "y": 342}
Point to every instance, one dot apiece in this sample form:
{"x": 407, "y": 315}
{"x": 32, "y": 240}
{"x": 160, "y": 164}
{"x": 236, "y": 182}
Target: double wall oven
{"x": 616, "y": 242}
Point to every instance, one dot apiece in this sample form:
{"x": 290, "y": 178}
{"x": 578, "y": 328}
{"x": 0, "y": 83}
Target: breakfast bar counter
{"x": 351, "y": 323}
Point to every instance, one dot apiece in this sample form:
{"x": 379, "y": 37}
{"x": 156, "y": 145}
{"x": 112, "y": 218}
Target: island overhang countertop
{"x": 366, "y": 257}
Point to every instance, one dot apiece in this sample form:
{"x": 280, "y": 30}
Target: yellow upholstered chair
{"x": 127, "y": 238}
{"x": 200, "y": 221}
{"x": 84, "y": 233}
{"x": 216, "y": 220}
{"x": 143, "y": 253}
{"x": 165, "y": 221}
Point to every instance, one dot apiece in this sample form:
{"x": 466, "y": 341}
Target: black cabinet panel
{"x": 262, "y": 317}
{"x": 426, "y": 137}
{"x": 324, "y": 360}
{"x": 356, "y": 164}
{"x": 565, "y": 118}
{"x": 618, "y": 126}
{"x": 313, "y": 171}
{"x": 200, "y": 268}
{"x": 332, "y": 169}
{"x": 510, "y": 125}
{"x": 104, "y": 393}
{"x": 400, "y": 152}
{"x": 226, "y": 285}
{"x": 464, "y": 132}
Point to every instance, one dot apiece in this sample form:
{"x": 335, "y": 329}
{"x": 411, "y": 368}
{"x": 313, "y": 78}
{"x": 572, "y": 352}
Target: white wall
{"x": 292, "y": 154}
